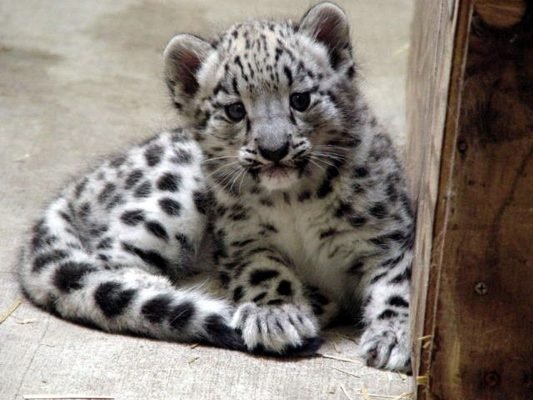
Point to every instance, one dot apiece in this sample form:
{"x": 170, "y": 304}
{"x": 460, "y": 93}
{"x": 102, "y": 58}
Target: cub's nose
{"x": 276, "y": 154}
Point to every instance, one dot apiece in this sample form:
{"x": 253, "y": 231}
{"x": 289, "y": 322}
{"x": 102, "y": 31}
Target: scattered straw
{"x": 338, "y": 358}
{"x": 346, "y": 372}
{"x": 345, "y": 393}
{"x": 10, "y": 310}
{"x": 22, "y": 321}
{"x": 346, "y": 337}
{"x": 422, "y": 380}
{"x": 403, "y": 396}
{"x": 336, "y": 348}
{"x": 364, "y": 392}
{"x": 402, "y": 49}
{"x": 401, "y": 376}
{"x": 193, "y": 360}
{"x": 426, "y": 341}
{"x": 64, "y": 397}
{"x": 22, "y": 158}
{"x": 369, "y": 396}
{"x": 194, "y": 345}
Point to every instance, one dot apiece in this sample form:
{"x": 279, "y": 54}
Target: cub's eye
{"x": 300, "y": 101}
{"x": 235, "y": 111}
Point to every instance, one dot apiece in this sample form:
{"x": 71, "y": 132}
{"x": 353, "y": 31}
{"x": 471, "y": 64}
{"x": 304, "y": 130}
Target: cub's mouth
{"x": 273, "y": 171}
{"x": 277, "y": 176}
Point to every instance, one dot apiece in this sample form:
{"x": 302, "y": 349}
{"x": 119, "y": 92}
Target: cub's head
{"x": 272, "y": 103}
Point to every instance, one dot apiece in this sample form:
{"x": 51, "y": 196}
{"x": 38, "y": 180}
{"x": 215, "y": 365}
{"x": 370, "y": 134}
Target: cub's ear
{"x": 327, "y": 23}
{"x": 184, "y": 55}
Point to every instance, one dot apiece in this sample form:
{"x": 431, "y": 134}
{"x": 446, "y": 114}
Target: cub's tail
{"x": 60, "y": 275}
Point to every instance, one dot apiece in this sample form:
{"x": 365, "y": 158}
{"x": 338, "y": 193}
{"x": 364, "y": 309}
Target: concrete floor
{"x": 79, "y": 79}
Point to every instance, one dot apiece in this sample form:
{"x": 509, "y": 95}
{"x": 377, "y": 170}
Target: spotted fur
{"x": 280, "y": 173}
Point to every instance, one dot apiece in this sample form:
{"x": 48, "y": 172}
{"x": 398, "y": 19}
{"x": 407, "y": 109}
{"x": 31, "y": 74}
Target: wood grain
{"x": 437, "y": 55}
{"x": 483, "y": 325}
{"x": 478, "y": 317}
{"x": 501, "y": 14}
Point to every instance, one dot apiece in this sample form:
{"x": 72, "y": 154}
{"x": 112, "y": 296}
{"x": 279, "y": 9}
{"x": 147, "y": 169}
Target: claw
{"x": 284, "y": 330}
{"x": 383, "y": 347}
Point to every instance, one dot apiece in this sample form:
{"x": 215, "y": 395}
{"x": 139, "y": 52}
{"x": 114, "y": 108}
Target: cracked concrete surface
{"x": 82, "y": 79}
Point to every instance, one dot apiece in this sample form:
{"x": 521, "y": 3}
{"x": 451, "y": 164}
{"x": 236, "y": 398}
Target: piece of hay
{"x": 22, "y": 321}
{"x": 345, "y": 393}
{"x": 403, "y": 396}
{"x": 402, "y": 49}
{"x": 65, "y": 397}
{"x": 10, "y": 310}
{"x": 364, "y": 392}
{"x": 335, "y": 347}
{"x": 346, "y": 337}
{"x": 346, "y": 372}
{"x": 422, "y": 380}
{"x": 338, "y": 358}
{"x": 332, "y": 389}
{"x": 426, "y": 341}
{"x": 193, "y": 360}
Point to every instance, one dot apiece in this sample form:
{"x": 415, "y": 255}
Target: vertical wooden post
{"x": 470, "y": 96}
{"x": 438, "y": 48}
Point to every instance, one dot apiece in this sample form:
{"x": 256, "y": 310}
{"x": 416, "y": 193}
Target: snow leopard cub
{"x": 280, "y": 174}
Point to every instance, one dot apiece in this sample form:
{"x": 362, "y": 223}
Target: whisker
{"x": 328, "y": 155}
{"x": 225, "y": 178}
{"x": 221, "y": 167}
{"x": 316, "y": 164}
{"x": 316, "y": 158}
{"x": 330, "y": 146}
{"x": 335, "y": 151}
{"x": 237, "y": 175}
{"x": 218, "y": 158}
{"x": 332, "y": 150}
{"x": 243, "y": 175}
{"x": 225, "y": 181}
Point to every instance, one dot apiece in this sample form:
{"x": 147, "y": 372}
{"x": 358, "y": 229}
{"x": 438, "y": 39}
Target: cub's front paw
{"x": 285, "y": 329}
{"x": 385, "y": 345}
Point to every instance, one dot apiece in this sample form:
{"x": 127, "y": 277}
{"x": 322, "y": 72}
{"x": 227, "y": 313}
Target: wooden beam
{"x": 500, "y": 14}
{"x": 436, "y": 65}
{"x": 474, "y": 266}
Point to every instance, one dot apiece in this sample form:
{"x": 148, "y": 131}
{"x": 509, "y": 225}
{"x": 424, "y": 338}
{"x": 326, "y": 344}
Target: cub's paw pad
{"x": 286, "y": 329}
{"x": 384, "y": 348}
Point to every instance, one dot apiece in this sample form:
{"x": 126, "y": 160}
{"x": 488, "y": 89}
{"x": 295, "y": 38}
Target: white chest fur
{"x": 304, "y": 237}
